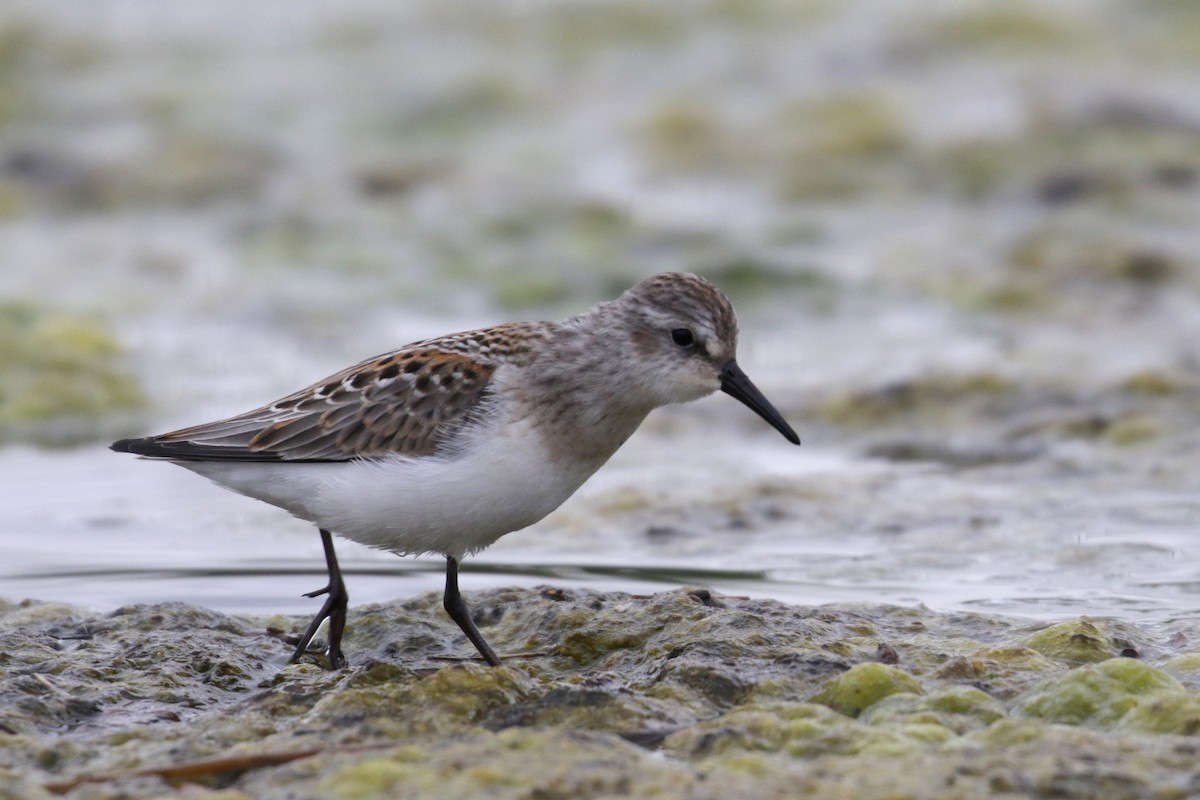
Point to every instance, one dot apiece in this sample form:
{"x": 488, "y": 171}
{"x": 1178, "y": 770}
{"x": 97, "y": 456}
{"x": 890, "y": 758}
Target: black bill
{"x": 735, "y": 383}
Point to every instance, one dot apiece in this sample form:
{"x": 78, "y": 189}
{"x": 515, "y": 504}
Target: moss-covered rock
{"x": 743, "y": 695}
{"x": 1100, "y": 694}
{"x": 1077, "y": 641}
{"x": 959, "y": 709}
{"x": 863, "y": 686}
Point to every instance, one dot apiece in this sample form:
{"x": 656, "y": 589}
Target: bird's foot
{"x": 334, "y": 610}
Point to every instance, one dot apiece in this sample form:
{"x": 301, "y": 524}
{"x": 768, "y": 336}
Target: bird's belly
{"x": 452, "y": 504}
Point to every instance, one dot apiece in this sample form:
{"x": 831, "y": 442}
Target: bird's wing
{"x": 406, "y": 402}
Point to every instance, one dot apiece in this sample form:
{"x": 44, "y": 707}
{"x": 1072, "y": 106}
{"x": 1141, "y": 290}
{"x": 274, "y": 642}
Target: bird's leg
{"x": 456, "y": 607}
{"x": 333, "y": 610}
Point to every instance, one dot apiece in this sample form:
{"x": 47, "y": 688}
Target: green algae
{"x": 195, "y": 168}
{"x": 524, "y": 290}
{"x": 683, "y": 136}
{"x": 1003, "y": 670}
{"x": 578, "y": 34}
{"x": 378, "y": 777}
{"x": 1007, "y": 27}
{"x": 840, "y": 147}
{"x": 1080, "y": 641}
{"x": 568, "y": 764}
{"x": 1170, "y": 29}
{"x": 1058, "y": 254}
{"x": 1169, "y": 711}
{"x": 746, "y": 276}
{"x": 842, "y": 126}
{"x": 1134, "y": 429}
{"x": 1186, "y": 667}
{"x": 1103, "y": 694}
{"x": 18, "y": 41}
{"x": 449, "y": 699}
{"x": 863, "y": 686}
{"x": 853, "y": 145}
{"x": 958, "y": 709}
{"x": 1153, "y": 382}
{"x": 458, "y": 115}
{"x": 837, "y": 147}
{"x": 1103, "y": 161}
{"x": 978, "y": 419}
{"x": 186, "y": 169}
{"x": 28, "y": 52}
{"x": 805, "y": 730}
{"x": 934, "y": 391}
{"x": 60, "y": 375}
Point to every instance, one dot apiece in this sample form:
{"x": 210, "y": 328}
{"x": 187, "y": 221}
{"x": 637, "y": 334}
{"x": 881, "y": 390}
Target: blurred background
{"x": 963, "y": 237}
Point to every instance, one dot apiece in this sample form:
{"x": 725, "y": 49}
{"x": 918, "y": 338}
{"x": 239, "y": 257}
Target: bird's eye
{"x": 683, "y": 337}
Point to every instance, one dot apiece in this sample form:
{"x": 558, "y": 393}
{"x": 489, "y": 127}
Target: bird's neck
{"x": 589, "y": 408}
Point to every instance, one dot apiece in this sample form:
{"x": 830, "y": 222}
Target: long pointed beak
{"x": 735, "y": 383}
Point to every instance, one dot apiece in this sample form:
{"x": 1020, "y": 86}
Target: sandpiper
{"x": 447, "y": 444}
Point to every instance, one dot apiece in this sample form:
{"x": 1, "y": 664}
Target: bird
{"x": 444, "y": 445}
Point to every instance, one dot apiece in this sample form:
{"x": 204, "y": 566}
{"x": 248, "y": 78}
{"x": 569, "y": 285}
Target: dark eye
{"x": 683, "y": 337}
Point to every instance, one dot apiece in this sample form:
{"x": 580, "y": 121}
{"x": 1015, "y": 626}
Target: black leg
{"x": 333, "y": 610}
{"x": 458, "y": 611}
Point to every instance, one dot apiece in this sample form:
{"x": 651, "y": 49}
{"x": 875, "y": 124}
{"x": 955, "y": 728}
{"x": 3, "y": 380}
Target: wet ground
{"x": 686, "y": 694}
{"x": 962, "y": 239}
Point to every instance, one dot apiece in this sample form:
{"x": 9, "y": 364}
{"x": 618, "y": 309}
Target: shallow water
{"x": 808, "y": 527}
{"x": 965, "y": 263}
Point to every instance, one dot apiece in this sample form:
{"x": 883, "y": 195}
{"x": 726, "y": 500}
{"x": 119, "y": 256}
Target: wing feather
{"x": 408, "y": 402}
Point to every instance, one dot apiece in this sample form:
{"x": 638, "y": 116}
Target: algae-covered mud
{"x": 963, "y": 238}
{"x": 679, "y": 694}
